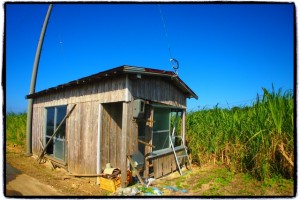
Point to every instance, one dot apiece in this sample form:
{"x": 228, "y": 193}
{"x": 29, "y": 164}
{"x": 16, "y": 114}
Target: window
{"x": 166, "y": 121}
{"x": 55, "y": 115}
{"x": 161, "y": 128}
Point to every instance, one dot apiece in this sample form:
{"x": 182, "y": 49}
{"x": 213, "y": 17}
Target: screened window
{"x": 55, "y": 115}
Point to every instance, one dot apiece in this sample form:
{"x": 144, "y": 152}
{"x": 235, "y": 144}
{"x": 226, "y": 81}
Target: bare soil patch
{"x": 56, "y": 178}
{"x": 207, "y": 180}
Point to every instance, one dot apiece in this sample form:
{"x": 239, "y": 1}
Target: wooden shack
{"x": 107, "y": 114}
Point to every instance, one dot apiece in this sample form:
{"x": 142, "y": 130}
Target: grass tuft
{"x": 16, "y": 128}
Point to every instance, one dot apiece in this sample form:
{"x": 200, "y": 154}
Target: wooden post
{"x": 148, "y": 137}
{"x": 124, "y": 144}
{"x": 99, "y": 142}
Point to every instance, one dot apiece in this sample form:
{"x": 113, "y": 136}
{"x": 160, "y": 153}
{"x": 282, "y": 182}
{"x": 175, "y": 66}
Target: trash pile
{"x": 111, "y": 181}
{"x": 140, "y": 190}
{"x": 111, "y": 173}
{"x": 149, "y": 190}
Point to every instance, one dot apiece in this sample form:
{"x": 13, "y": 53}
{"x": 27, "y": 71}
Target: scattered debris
{"x": 138, "y": 191}
{"x": 157, "y": 191}
{"x": 149, "y": 181}
{"x": 134, "y": 191}
{"x": 174, "y": 189}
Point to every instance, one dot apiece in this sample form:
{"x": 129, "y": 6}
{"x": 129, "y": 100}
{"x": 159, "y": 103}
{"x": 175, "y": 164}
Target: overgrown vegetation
{"x": 16, "y": 128}
{"x": 258, "y": 140}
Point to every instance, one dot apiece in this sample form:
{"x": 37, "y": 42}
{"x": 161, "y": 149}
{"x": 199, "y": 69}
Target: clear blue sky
{"x": 227, "y": 52}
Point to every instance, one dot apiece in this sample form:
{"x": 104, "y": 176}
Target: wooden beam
{"x": 145, "y": 143}
{"x": 124, "y": 144}
{"x": 148, "y": 136}
{"x": 42, "y": 146}
{"x": 99, "y": 141}
{"x": 85, "y": 175}
{"x": 56, "y": 130}
{"x": 137, "y": 172}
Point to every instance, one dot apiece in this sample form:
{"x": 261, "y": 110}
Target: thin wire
{"x": 165, "y": 28}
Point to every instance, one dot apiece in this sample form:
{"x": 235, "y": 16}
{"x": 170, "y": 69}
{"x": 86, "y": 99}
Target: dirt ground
{"x": 15, "y": 186}
{"x": 209, "y": 180}
{"x": 55, "y": 178}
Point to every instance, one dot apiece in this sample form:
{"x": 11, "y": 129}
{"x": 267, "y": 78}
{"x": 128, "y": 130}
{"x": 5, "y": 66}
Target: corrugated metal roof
{"x": 125, "y": 69}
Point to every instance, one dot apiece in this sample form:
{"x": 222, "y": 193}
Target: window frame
{"x": 63, "y": 152}
{"x": 167, "y": 149}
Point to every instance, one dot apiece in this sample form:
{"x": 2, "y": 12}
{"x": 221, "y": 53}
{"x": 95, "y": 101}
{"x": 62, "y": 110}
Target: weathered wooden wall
{"x": 38, "y": 129}
{"x": 164, "y": 164}
{"x": 158, "y": 90}
{"x": 82, "y": 125}
{"x": 105, "y": 91}
{"x": 81, "y": 133}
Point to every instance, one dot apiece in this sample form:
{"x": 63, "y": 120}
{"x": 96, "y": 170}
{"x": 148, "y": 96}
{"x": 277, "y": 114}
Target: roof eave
{"x": 124, "y": 69}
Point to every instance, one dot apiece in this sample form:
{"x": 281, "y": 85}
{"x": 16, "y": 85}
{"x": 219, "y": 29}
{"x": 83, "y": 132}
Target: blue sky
{"x": 227, "y": 52}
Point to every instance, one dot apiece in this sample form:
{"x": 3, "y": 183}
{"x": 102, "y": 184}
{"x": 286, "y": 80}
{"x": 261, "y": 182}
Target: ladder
{"x": 177, "y": 157}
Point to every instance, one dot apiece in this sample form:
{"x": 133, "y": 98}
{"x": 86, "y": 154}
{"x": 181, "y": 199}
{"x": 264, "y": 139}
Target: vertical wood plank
{"x": 124, "y": 145}
{"x": 132, "y": 148}
{"x": 78, "y": 138}
{"x": 105, "y": 136}
{"x": 148, "y": 135}
{"x": 161, "y": 161}
{"x": 164, "y": 165}
{"x": 94, "y": 138}
{"x": 112, "y": 136}
{"x": 98, "y": 153}
{"x": 174, "y": 165}
{"x": 155, "y": 166}
{"x": 168, "y": 166}
{"x": 119, "y": 157}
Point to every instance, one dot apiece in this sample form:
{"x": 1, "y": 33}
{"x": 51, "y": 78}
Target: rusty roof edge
{"x": 124, "y": 69}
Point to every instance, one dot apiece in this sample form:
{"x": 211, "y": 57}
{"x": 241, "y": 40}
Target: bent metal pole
{"x": 33, "y": 82}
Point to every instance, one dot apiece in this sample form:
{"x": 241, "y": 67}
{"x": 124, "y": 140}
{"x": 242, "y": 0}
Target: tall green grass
{"x": 16, "y": 128}
{"x": 257, "y": 139}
